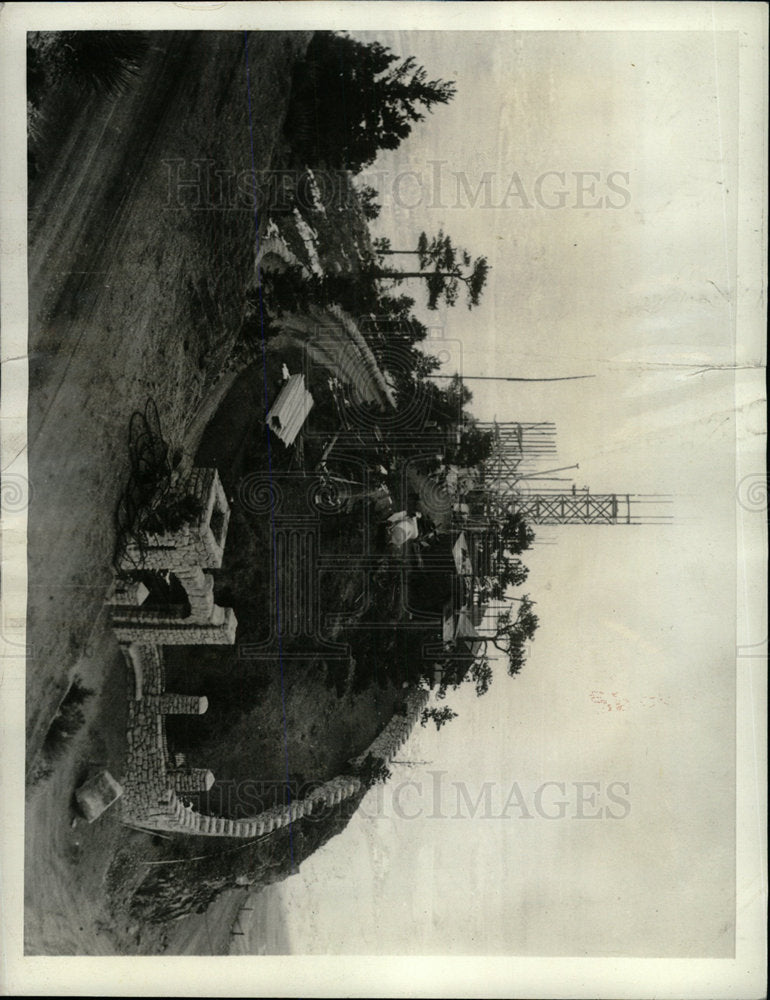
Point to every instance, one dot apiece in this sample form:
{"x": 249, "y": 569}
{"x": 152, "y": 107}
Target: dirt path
{"x": 263, "y": 924}
{"x": 131, "y": 297}
{"x": 66, "y": 859}
{"x": 208, "y": 933}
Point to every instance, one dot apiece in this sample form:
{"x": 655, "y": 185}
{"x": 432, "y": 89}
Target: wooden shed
{"x": 289, "y": 411}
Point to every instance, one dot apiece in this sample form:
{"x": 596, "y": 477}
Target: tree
{"x": 382, "y": 246}
{"x": 515, "y": 533}
{"x": 444, "y": 268}
{"x": 374, "y": 771}
{"x": 440, "y": 716}
{"x": 458, "y": 391}
{"x": 508, "y": 572}
{"x": 512, "y": 634}
{"x": 511, "y": 537}
{"x": 369, "y": 204}
{"x": 350, "y": 99}
{"x": 481, "y": 675}
{"x": 473, "y": 448}
{"x": 445, "y": 404}
{"x": 391, "y": 322}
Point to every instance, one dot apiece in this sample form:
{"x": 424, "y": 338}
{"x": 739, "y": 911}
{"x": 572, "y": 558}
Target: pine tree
{"x": 444, "y": 267}
{"x": 351, "y": 99}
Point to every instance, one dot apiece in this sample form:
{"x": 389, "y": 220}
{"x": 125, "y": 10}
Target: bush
{"x": 440, "y": 716}
{"x": 78, "y": 693}
{"x": 374, "y": 771}
{"x": 95, "y": 61}
{"x": 66, "y": 723}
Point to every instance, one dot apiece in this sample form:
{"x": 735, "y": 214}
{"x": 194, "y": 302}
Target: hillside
{"x": 147, "y": 284}
{"x": 131, "y": 295}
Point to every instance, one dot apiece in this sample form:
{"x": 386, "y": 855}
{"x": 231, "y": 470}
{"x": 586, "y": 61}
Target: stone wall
{"x": 187, "y": 553}
{"x": 397, "y": 731}
{"x": 185, "y": 820}
{"x": 198, "y": 543}
{"x": 190, "y": 780}
{"x": 150, "y": 628}
{"x": 153, "y": 783}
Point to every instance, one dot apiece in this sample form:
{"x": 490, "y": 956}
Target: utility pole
{"x": 547, "y": 472}
{"x": 509, "y": 378}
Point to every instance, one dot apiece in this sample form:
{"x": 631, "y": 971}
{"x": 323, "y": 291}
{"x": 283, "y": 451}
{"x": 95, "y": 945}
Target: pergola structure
{"x": 509, "y": 482}
{"x": 517, "y": 448}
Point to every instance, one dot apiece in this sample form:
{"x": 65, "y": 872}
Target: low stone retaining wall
{"x": 154, "y": 783}
{"x": 148, "y": 628}
{"x": 397, "y": 731}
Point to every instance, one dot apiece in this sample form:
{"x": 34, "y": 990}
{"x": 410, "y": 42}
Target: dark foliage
{"x": 351, "y": 99}
{"x": 69, "y": 719}
{"x": 95, "y": 61}
{"x": 373, "y": 771}
{"x": 473, "y": 448}
{"x": 439, "y": 716}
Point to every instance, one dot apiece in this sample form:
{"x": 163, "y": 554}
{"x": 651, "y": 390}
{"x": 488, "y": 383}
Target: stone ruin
{"x": 155, "y": 784}
{"x": 189, "y": 554}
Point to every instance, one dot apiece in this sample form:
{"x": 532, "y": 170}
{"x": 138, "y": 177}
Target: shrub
{"x": 66, "y": 723}
{"x": 374, "y": 771}
{"x": 440, "y": 716}
{"x": 96, "y": 61}
{"x": 78, "y": 693}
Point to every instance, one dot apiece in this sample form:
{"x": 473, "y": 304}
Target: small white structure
{"x": 459, "y": 632}
{"x": 402, "y": 528}
{"x": 289, "y": 412}
{"x": 462, "y": 556}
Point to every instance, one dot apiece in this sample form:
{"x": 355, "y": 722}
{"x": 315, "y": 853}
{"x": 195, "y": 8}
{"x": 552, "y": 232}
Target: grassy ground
{"x": 132, "y": 295}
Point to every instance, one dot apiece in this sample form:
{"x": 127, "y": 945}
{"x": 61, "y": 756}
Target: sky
{"x": 630, "y": 681}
